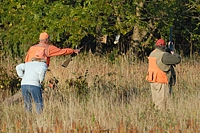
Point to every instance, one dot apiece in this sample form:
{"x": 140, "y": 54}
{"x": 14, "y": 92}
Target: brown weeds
{"x": 191, "y": 127}
{"x": 115, "y": 90}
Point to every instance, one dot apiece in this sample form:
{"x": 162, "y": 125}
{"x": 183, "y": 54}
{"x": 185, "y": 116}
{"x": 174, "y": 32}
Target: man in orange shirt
{"x": 49, "y": 50}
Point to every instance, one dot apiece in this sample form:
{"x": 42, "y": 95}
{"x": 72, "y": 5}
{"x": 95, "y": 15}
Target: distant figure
{"x": 32, "y": 74}
{"x": 161, "y": 73}
{"x": 50, "y": 50}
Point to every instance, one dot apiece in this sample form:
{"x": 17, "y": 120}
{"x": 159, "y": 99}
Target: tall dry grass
{"x": 101, "y": 95}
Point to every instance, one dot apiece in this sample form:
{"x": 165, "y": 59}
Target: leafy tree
{"x": 139, "y": 22}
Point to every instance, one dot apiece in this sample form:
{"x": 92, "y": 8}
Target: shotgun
{"x": 66, "y": 63}
{"x": 172, "y": 78}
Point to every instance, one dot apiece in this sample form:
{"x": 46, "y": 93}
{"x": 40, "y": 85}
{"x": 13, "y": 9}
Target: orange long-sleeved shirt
{"x": 55, "y": 51}
{"x": 50, "y": 51}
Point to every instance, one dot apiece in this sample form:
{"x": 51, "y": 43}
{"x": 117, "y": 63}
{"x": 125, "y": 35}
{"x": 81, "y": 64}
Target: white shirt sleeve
{"x": 20, "y": 70}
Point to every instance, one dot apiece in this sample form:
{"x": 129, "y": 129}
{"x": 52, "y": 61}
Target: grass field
{"x": 108, "y": 95}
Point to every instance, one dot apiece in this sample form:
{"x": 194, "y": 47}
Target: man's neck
{"x": 42, "y": 43}
{"x": 160, "y": 48}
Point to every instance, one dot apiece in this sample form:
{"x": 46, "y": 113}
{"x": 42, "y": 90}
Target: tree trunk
{"x": 191, "y": 46}
{"x": 138, "y": 35}
{"x": 99, "y": 46}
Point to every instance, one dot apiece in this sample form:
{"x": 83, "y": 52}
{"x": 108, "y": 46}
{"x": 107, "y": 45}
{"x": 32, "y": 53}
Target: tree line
{"x": 127, "y": 26}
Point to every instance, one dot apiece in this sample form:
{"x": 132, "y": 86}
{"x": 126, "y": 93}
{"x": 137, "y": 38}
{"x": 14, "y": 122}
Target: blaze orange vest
{"x": 34, "y": 49}
{"x": 155, "y": 74}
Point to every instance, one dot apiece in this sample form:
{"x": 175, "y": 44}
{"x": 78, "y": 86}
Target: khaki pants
{"x": 160, "y": 95}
